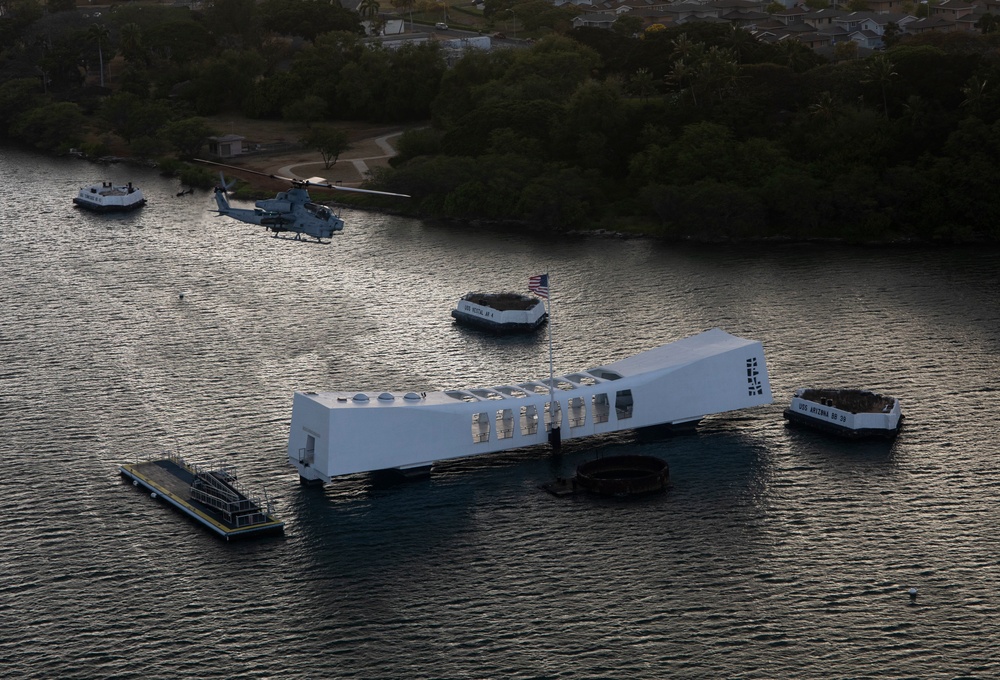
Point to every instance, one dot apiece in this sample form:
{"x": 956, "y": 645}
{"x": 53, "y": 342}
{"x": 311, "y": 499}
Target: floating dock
{"x": 212, "y": 497}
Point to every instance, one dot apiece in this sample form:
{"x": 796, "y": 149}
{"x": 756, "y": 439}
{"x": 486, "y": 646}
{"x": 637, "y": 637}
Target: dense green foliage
{"x": 698, "y": 132}
{"x": 705, "y": 133}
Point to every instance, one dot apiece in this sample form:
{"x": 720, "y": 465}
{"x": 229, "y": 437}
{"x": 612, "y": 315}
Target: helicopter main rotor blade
{"x": 337, "y": 187}
{"x": 253, "y": 172}
{"x": 306, "y": 182}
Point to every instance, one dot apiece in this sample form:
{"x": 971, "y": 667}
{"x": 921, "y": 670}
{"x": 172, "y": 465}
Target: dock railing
{"x": 218, "y": 489}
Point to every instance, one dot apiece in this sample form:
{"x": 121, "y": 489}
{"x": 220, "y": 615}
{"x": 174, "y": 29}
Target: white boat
{"x": 500, "y": 312}
{"x": 846, "y": 412}
{"x": 109, "y": 197}
{"x": 677, "y": 384}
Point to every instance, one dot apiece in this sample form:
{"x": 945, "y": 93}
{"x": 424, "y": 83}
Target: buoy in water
{"x": 135, "y": 482}
{"x": 913, "y": 593}
{"x": 152, "y": 495}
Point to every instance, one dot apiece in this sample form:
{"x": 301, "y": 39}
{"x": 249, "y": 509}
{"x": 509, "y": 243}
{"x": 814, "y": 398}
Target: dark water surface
{"x": 777, "y": 554}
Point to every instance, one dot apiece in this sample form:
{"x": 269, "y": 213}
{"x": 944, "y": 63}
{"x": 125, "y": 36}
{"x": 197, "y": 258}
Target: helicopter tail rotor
{"x": 222, "y": 194}
{"x": 225, "y": 186}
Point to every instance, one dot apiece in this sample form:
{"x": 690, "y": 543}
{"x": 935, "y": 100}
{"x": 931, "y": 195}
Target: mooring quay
{"x": 211, "y": 497}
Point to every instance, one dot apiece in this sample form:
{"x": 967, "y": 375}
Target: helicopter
{"x": 290, "y": 211}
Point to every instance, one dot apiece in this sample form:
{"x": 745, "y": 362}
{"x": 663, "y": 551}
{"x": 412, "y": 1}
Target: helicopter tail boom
{"x": 221, "y": 200}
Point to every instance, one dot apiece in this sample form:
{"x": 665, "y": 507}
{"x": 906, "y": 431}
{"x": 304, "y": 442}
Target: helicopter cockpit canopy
{"x": 320, "y": 211}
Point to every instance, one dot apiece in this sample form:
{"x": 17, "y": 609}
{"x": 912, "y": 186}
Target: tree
{"x": 627, "y": 26}
{"x": 235, "y": 21}
{"x": 825, "y": 108}
{"x": 740, "y": 42}
{"x": 890, "y": 36}
{"x": 416, "y": 72}
{"x": 100, "y": 34}
{"x": 642, "y": 84}
{"x": 16, "y": 97}
{"x": 846, "y": 50}
{"x": 306, "y": 18}
{"x": 130, "y": 42}
{"x": 368, "y": 9}
{"x": 987, "y": 23}
{"x": 308, "y": 109}
{"x": 132, "y": 116}
{"x": 329, "y": 141}
{"x": 974, "y": 90}
{"x": 51, "y": 126}
{"x": 880, "y": 71}
{"x": 684, "y": 76}
{"x": 187, "y": 136}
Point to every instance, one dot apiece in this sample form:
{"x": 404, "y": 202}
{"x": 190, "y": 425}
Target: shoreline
{"x": 267, "y": 186}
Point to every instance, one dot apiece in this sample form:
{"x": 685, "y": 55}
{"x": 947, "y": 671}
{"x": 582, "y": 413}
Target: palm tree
{"x": 641, "y": 84}
{"x": 131, "y": 41}
{"x": 825, "y": 108}
{"x": 974, "y": 90}
{"x": 368, "y": 9}
{"x": 720, "y": 71}
{"x": 881, "y": 71}
{"x": 740, "y": 41}
{"x": 686, "y": 49}
{"x": 681, "y": 74}
{"x": 100, "y": 34}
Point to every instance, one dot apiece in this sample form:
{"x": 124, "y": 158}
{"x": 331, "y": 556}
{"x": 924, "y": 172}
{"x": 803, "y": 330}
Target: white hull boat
{"x": 500, "y": 312}
{"x": 846, "y": 412}
{"x": 677, "y": 384}
{"x": 108, "y": 197}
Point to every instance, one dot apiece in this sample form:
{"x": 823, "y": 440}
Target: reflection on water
{"x": 777, "y": 552}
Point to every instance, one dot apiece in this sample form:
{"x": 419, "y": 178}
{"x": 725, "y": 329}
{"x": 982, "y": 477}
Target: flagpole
{"x": 548, "y": 310}
{"x": 555, "y": 434}
{"x": 541, "y": 285}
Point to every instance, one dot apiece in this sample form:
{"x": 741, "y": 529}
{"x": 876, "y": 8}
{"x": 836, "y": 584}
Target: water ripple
{"x": 777, "y": 553}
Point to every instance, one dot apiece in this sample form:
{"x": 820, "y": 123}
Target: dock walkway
{"x": 211, "y": 497}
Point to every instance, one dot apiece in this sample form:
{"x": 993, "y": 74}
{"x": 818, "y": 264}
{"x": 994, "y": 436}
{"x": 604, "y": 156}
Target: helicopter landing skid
{"x": 298, "y": 237}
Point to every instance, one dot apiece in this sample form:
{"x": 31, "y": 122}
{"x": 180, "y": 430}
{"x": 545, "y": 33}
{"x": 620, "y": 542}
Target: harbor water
{"x": 777, "y": 552}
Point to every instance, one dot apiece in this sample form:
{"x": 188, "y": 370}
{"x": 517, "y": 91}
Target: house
{"x": 685, "y": 11}
{"x": 865, "y": 37}
{"x": 595, "y": 20}
{"x": 951, "y": 9}
{"x": 815, "y": 39}
{"x": 794, "y": 15}
{"x": 886, "y": 6}
{"x": 226, "y": 146}
{"x": 746, "y": 18}
{"x": 927, "y": 25}
{"x": 821, "y": 18}
{"x": 867, "y": 28}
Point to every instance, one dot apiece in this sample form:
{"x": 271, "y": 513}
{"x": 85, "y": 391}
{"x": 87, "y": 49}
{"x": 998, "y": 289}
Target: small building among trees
{"x": 226, "y": 146}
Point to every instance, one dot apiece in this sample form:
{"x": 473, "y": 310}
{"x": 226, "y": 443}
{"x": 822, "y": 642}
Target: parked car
{"x": 441, "y": 26}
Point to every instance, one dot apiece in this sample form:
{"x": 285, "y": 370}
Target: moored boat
{"x": 109, "y": 197}
{"x": 846, "y": 412}
{"x": 500, "y": 312}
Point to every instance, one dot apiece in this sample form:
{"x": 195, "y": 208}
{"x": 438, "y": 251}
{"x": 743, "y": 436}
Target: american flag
{"x": 539, "y": 285}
